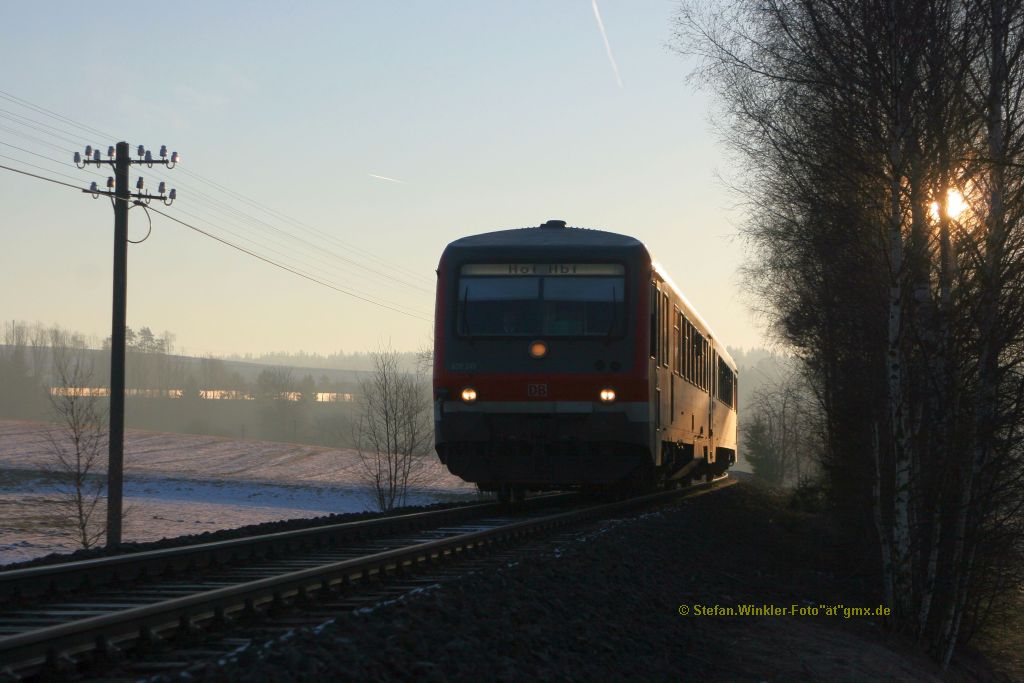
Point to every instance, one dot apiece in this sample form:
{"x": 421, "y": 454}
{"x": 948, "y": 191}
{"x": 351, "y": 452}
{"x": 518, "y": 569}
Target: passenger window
{"x": 665, "y": 345}
{"x": 654, "y": 320}
{"x": 726, "y": 384}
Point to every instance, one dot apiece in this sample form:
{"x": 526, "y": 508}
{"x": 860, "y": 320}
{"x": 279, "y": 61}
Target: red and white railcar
{"x": 566, "y": 358}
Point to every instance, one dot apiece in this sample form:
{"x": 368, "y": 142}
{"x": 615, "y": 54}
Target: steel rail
{"x": 63, "y": 577}
{"x": 27, "y": 652}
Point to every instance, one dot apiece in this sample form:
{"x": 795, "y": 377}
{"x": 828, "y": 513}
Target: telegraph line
{"x": 232, "y": 193}
{"x": 270, "y": 227}
{"x": 293, "y": 221}
{"x": 33, "y": 175}
{"x": 52, "y": 114}
{"x": 41, "y": 156}
{"x": 284, "y": 267}
{"x": 216, "y": 203}
{"x": 41, "y": 168}
{"x": 368, "y": 299}
{"x": 34, "y": 125}
{"x": 315, "y": 250}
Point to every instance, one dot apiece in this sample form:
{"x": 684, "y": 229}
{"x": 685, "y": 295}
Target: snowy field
{"x": 178, "y": 484}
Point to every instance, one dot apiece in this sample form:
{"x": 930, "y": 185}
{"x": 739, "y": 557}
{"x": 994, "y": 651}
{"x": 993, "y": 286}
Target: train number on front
{"x": 537, "y": 390}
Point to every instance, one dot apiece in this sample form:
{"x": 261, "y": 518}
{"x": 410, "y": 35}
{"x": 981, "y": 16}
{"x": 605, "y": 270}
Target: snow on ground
{"x": 179, "y": 484}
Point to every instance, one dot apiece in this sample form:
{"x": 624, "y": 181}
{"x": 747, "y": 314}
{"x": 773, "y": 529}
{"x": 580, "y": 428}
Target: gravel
{"x": 602, "y": 603}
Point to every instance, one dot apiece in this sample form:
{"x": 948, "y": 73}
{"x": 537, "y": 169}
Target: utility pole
{"x": 122, "y": 199}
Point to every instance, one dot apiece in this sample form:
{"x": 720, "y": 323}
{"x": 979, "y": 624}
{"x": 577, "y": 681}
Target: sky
{"x": 350, "y": 141}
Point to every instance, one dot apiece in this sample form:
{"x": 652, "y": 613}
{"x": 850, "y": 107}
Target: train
{"x": 565, "y": 358}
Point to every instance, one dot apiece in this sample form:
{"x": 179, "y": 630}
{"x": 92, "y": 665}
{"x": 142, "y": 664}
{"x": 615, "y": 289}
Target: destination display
{"x": 545, "y": 269}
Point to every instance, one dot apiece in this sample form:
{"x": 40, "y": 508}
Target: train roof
{"x": 550, "y": 234}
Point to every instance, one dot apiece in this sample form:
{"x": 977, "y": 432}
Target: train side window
{"x": 677, "y": 348}
{"x": 704, "y": 358}
{"x": 689, "y": 351}
{"x": 654, "y": 320}
{"x": 714, "y": 379}
{"x": 707, "y": 366}
{"x": 686, "y": 348}
{"x": 666, "y": 326}
{"x": 698, "y": 358}
{"x": 726, "y": 384}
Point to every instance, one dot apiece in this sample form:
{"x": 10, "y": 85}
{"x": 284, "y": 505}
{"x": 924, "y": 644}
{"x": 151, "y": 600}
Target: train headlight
{"x": 607, "y": 395}
{"x": 538, "y": 349}
{"x": 469, "y": 394}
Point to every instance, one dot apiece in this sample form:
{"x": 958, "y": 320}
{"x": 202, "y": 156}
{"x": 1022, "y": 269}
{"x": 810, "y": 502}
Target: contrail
{"x": 607, "y": 47}
{"x": 380, "y": 177}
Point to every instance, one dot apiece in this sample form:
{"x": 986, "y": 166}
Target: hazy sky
{"x": 388, "y": 128}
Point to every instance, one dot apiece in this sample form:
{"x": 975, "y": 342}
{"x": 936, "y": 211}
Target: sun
{"x": 955, "y": 205}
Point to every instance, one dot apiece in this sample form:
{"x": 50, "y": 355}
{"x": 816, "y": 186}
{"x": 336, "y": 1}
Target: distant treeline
{"x": 283, "y": 403}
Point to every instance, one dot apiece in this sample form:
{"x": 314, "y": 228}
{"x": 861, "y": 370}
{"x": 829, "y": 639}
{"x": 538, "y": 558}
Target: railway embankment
{"x": 729, "y": 586}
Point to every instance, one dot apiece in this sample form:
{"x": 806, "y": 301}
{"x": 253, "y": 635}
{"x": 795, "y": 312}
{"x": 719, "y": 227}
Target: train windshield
{"x": 549, "y": 300}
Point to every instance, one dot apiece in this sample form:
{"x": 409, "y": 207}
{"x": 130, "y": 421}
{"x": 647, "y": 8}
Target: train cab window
{"x": 591, "y": 306}
{"x": 726, "y": 384}
{"x": 499, "y": 306}
{"x": 559, "y": 305}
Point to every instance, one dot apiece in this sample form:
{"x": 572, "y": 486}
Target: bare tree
{"x": 79, "y": 439}
{"x": 782, "y": 430}
{"x": 392, "y": 431}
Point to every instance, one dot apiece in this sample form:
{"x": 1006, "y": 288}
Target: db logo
{"x": 537, "y": 390}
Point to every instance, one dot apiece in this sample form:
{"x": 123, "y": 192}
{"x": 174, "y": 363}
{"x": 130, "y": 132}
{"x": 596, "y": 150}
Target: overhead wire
{"x": 43, "y": 156}
{"x": 52, "y": 114}
{"x": 34, "y": 125}
{"x": 41, "y": 168}
{"x": 49, "y": 180}
{"x": 96, "y": 173}
{"x": 388, "y": 278}
{"x": 304, "y": 265}
{"x": 293, "y": 221}
{"x": 265, "y": 226}
{"x": 284, "y": 267}
{"x": 315, "y": 253}
{"x": 237, "y": 195}
{"x": 294, "y": 271}
{"x": 218, "y": 206}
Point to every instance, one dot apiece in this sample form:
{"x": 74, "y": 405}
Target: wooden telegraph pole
{"x": 122, "y": 199}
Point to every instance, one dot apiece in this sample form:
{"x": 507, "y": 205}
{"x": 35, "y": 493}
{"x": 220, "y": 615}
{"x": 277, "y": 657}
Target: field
{"x": 181, "y": 484}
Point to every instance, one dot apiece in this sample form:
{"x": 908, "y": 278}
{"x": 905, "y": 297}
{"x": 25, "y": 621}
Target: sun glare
{"x": 955, "y": 205}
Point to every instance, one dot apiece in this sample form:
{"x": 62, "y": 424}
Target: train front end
{"x": 540, "y": 363}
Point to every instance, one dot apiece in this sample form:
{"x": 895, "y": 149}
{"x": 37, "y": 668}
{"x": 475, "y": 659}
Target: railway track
{"x": 85, "y": 616}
